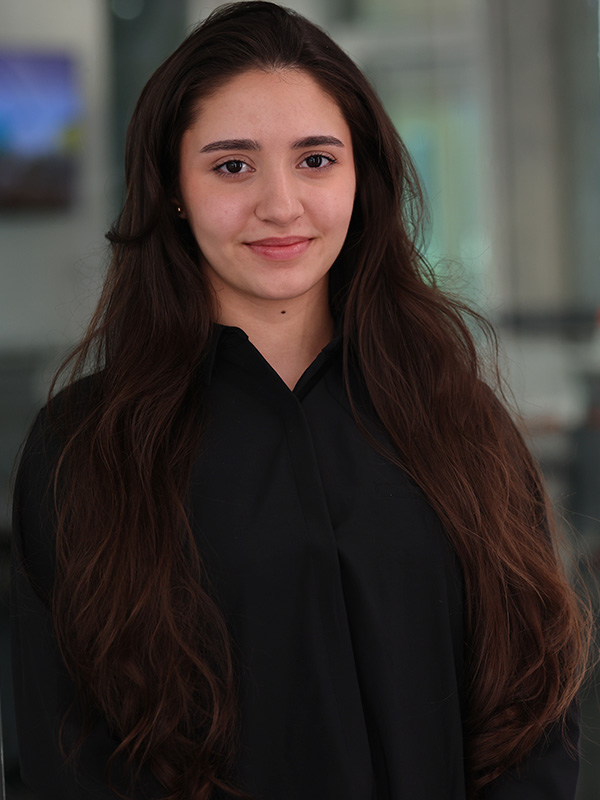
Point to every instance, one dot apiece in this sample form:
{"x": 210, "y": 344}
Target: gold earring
{"x": 179, "y": 209}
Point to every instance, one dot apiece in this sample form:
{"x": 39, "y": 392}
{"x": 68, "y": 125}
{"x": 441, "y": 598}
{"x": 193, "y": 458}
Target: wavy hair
{"x": 145, "y": 643}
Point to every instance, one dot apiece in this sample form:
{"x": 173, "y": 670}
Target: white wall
{"x": 50, "y": 262}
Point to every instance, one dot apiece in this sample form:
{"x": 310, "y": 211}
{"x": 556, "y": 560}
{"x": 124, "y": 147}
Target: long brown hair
{"x": 145, "y": 643}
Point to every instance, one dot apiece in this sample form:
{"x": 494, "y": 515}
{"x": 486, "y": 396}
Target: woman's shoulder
{"x": 54, "y": 425}
{"x": 62, "y": 413}
{"x": 33, "y": 507}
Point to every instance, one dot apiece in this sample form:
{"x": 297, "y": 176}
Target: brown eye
{"x": 317, "y": 161}
{"x": 314, "y": 161}
{"x": 234, "y": 166}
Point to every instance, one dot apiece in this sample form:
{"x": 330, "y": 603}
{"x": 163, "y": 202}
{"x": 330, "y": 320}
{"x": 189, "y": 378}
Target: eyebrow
{"x": 252, "y": 144}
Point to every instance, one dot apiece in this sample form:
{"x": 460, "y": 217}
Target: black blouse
{"x": 342, "y": 594}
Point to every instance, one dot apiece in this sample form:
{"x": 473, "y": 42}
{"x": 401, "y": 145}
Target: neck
{"x": 288, "y": 334}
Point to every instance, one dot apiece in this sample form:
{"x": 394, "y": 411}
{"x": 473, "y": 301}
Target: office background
{"x": 497, "y": 100}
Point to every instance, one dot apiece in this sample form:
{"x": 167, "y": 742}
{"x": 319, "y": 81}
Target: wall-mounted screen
{"x": 40, "y": 130}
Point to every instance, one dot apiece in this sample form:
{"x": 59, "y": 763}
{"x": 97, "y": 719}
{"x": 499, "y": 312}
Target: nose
{"x": 279, "y": 199}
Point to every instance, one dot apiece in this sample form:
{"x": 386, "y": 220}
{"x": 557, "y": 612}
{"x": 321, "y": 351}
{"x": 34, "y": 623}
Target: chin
{"x": 292, "y": 290}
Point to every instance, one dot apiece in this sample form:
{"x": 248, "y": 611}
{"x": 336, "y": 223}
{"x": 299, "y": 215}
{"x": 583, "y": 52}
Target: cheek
{"x": 335, "y": 205}
{"x": 216, "y": 217}
{"x": 335, "y": 214}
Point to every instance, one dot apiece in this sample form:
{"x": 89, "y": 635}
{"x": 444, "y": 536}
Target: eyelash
{"x": 220, "y": 171}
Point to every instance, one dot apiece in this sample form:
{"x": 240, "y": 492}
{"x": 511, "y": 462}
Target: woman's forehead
{"x": 266, "y": 102}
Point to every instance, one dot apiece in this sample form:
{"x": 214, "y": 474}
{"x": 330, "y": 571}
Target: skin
{"x": 267, "y": 184}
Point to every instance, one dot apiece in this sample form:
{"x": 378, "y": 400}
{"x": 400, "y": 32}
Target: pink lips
{"x": 280, "y": 248}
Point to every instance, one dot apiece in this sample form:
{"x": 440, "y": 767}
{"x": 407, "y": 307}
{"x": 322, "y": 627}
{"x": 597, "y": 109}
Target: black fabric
{"x": 340, "y": 589}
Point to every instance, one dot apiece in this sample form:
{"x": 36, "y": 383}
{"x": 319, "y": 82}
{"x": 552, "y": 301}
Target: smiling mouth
{"x": 280, "y": 248}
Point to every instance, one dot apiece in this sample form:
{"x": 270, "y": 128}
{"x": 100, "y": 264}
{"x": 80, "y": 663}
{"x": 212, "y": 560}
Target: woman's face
{"x": 267, "y": 185}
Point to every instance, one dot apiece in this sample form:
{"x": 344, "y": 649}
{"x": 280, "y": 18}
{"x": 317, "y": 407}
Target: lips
{"x": 276, "y": 241}
{"x": 280, "y": 248}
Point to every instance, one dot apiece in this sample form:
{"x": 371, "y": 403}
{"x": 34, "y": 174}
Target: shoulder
{"x": 53, "y": 426}
{"x": 33, "y": 507}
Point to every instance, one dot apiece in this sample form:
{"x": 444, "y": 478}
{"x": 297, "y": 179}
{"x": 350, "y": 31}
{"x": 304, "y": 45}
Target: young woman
{"x": 283, "y": 541}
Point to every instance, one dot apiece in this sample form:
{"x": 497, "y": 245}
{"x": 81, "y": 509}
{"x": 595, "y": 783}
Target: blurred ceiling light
{"x": 127, "y": 9}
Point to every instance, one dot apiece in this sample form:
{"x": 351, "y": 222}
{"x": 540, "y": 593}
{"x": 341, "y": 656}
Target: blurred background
{"x": 497, "y": 100}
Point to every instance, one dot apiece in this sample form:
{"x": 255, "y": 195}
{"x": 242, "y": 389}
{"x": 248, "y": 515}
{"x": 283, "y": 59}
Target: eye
{"x": 234, "y": 166}
{"x": 318, "y": 161}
